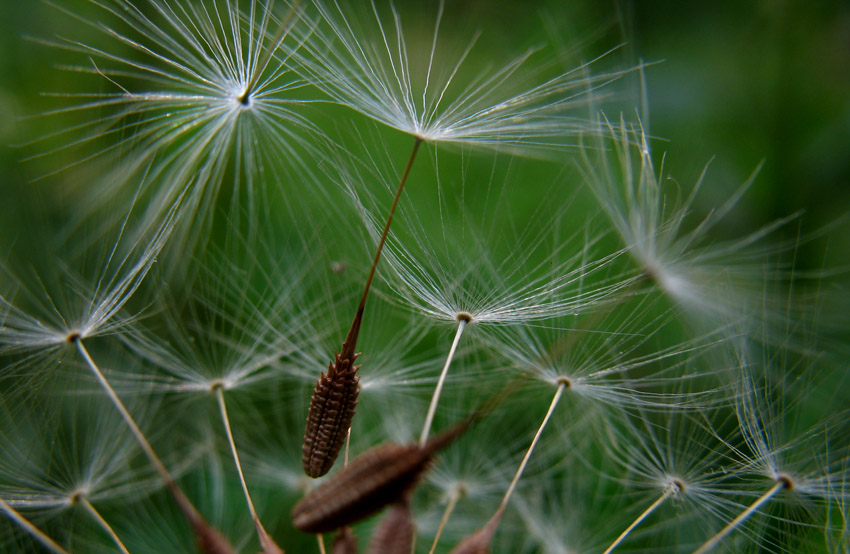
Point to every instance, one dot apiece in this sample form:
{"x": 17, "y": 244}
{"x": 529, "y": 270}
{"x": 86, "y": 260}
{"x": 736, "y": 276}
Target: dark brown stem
{"x": 349, "y": 345}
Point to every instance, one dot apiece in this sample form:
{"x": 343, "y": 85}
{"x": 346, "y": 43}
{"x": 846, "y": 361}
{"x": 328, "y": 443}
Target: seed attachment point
{"x": 786, "y": 481}
{"x": 464, "y": 316}
{"x": 677, "y": 485}
{"x": 73, "y": 337}
{"x": 244, "y": 98}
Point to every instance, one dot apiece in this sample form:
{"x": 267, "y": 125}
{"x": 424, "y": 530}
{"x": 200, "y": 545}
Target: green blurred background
{"x": 739, "y": 82}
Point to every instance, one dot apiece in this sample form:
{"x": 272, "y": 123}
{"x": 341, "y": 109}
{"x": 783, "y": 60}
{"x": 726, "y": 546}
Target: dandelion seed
{"x": 617, "y": 368}
{"x": 93, "y": 308}
{"x": 512, "y": 107}
{"x": 722, "y": 279}
{"x": 801, "y": 464}
{"x": 205, "y": 85}
{"x": 117, "y": 281}
{"x": 673, "y": 454}
{"x": 374, "y": 479}
{"x": 335, "y": 395}
{"x": 211, "y": 541}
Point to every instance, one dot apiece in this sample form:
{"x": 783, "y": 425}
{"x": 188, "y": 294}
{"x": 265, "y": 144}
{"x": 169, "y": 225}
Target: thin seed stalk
{"x": 456, "y": 494}
{"x": 125, "y": 413}
{"x": 742, "y": 517}
{"x": 84, "y": 502}
{"x": 355, "y": 325}
{"x": 660, "y": 500}
{"x": 479, "y": 542}
{"x": 432, "y": 409}
{"x": 33, "y": 531}
{"x": 555, "y": 399}
{"x": 211, "y": 541}
{"x": 266, "y": 541}
{"x": 321, "y": 540}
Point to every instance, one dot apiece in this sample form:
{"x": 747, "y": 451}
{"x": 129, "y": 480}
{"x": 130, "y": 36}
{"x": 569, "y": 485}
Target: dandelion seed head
{"x": 419, "y": 88}
{"x": 712, "y": 281}
{"x": 202, "y": 89}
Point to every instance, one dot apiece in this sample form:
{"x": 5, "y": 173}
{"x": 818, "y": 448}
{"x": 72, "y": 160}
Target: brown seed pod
{"x": 374, "y": 479}
{"x": 479, "y": 541}
{"x": 395, "y": 533}
{"x": 331, "y": 411}
{"x": 345, "y": 542}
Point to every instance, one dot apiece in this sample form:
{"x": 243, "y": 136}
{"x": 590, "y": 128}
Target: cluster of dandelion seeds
{"x": 345, "y": 277}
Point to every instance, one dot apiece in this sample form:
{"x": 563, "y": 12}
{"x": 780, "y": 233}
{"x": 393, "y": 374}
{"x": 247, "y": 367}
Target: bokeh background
{"x": 735, "y": 83}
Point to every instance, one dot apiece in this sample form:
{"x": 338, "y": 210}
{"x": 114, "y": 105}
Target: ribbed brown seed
{"x": 395, "y": 533}
{"x": 479, "y": 541}
{"x": 331, "y": 411}
{"x": 345, "y": 542}
{"x": 374, "y": 479}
